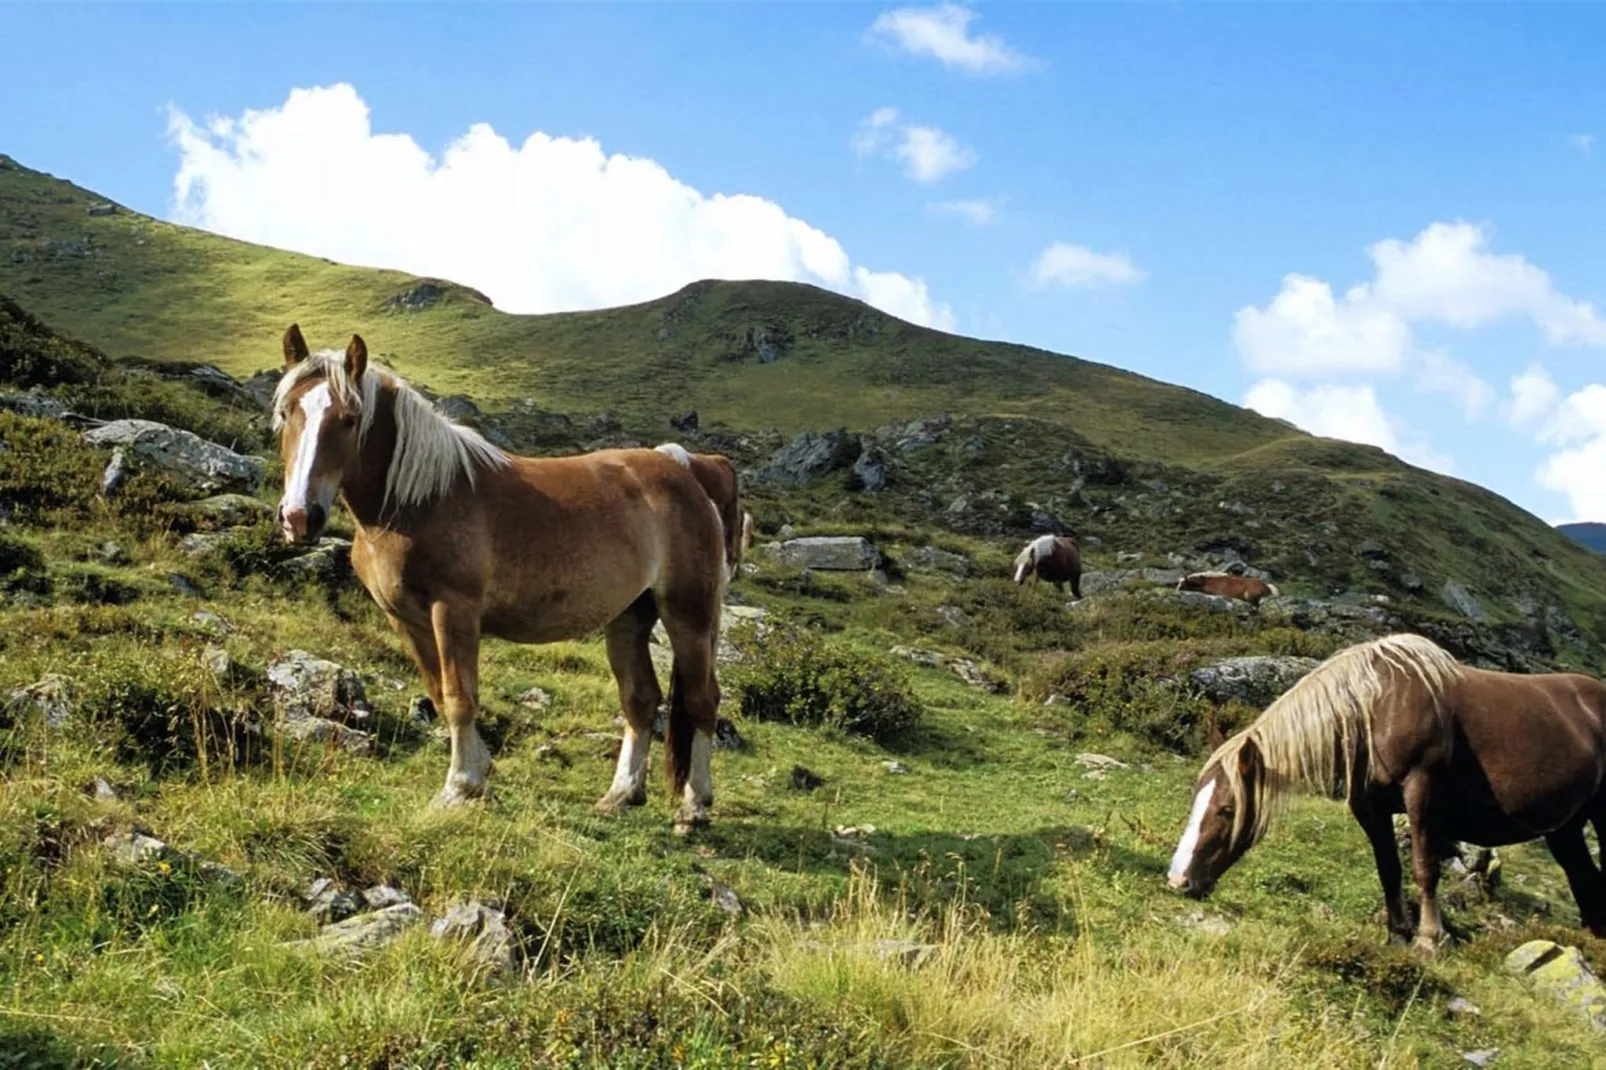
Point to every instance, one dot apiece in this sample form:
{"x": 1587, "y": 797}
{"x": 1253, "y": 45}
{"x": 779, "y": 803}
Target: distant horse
{"x": 718, "y": 477}
{"x": 1398, "y": 725}
{"x": 1053, "y": 559}
{"x": 456, "y": 538}
{"x": 1226, "y": 585}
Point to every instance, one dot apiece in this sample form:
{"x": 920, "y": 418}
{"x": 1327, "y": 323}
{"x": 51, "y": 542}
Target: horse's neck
{"x": 364, "y": 485}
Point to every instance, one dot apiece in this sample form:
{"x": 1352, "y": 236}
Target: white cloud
{"x": 1578, "y": 470}
{"x": 1437, "y": 373}
{"x": 1534, "y": 395}
{"x": 549, "y": 225}
{"x": 1305, "y": 331}
{"x": 1448, "y": 275}
{"x": 927, "y": 153}
{"x": 978, "y": 212}
{"x": 1064, "y": 264}
{"x": 1584, "y": 143}
{"x": 943, "y": 33}
{"x": 1351, "y": 413}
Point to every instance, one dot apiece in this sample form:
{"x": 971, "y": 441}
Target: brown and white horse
{"x": 1226, "y": 585}
{"x": 1053, "y": 559}
{"x": 1398, "y": 725}
{"x": 718, "y": 477}
{"x": 457, "y": 539}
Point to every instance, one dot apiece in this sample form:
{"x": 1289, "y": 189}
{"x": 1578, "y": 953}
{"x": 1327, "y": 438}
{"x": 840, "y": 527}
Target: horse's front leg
{"x": 1424, "y": 862}
{"x": 1379, "y": 829}
{"x": 457, "y": 639}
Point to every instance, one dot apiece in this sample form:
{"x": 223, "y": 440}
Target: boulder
{"x": 808, "y": 456}
{"x": 1095, "y": 581}
{"x": 32, "y": 403}
{"x": 365, "y": 932}
{"x": 328, "y": 561}
{"x": 494, "y": 947}
{"x": 1460, "y": 599}
{"x": 871, "y": 468}
{"x": 914, "y": 435}
{"x": 198, "y": 466}
{"x": 933, "y": 559}
{"x": 1254, "y": 681}
{"x": 329, "y": 903}
{"x": 313, "y": 699}
{"x": 227, "y": 510}
{"x": 1213, "y": 602}
{"x": 1561, "y": 974}
{"x": 829, "y": 553}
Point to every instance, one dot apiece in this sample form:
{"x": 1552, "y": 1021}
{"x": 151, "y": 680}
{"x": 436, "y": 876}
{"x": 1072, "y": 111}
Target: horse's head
{"x": 318, "y": 423}
{"x": 1221, "y": 825}
{"x": 1193, "y": 582}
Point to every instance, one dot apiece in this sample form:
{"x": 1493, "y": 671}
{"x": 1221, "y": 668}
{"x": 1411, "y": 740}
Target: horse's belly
{"x": 556, "y": 613}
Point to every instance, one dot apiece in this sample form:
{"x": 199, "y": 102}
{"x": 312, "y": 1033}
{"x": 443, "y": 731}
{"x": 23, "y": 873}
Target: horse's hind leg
{"x": 639, "y": 694}
{"x": 1571, "y": 852}
{"x": 457, "y": 638}
{"x": 693, "y": 710}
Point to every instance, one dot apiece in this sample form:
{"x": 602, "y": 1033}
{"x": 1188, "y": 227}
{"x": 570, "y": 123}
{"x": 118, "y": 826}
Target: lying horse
{"x": 1054, "y": 559}
{"x": 458, "y": 539}
{"x": 1398, "y": 725}
{"x": 718, "y": 477}
{"x": 1226, "y": 585}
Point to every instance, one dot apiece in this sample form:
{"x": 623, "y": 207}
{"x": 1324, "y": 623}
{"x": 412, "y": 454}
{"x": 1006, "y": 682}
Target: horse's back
{"x": 1538, "y": 741}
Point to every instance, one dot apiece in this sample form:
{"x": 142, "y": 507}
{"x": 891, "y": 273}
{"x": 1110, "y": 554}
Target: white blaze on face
{"x": 314, "y": 403}
{"x": 1182, "y": 861}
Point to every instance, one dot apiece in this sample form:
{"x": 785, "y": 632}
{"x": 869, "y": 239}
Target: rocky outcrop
{"x": 809, "y": 455}
{"x": 315, "y": 699}
{"x": 1254, "y": 681}
{"x": 492, "y": 946}
{"x": 1561, "y": 974}
{"x": 827, "y": 553}
{"x": 226, "y": 510}
{"x": 197, "y": 466}
{"x": 933, "y": 559}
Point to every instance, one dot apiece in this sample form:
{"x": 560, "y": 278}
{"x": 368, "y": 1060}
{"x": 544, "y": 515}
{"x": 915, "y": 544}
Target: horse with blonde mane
{"x": 1226, "y": 585}
{"x": 1053, "y": 559}
{"x": 456, "y": 539}
{"x": 1397, "y": 725}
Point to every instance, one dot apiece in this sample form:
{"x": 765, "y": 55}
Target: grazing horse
{"x": 718, "y": 477}
{"x": 1053, "y": 559}
{"x": 1226, "y": 585}
{"x": 1398, "y": 725}
{"x": 457, "y": 539}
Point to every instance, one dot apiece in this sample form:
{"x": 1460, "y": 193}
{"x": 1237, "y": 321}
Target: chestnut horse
{"x": 457, "y": 539}
{"x": 1226, "y": 585}
{"x": 1053, "y": 559}
{"x": 718, "y": 477}
{"x": 1398, "y": 725}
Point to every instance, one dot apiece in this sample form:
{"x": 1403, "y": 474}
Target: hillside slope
{"x": 1037, "y": 441}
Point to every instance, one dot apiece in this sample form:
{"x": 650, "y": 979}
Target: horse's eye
{"x": 1227, "y": 811}
{"x": 348, "y": 422}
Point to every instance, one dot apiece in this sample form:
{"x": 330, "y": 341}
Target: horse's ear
{"x": 295, "y": 346}
{"x": 356, "y": 358}
{"x": 1250, "y": 762}
{"x": 1216, "y": 737}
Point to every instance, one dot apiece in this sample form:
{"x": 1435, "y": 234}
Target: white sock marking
{"x": 631, "y": 773}
{"x": 700, "y": 784}
{"x": 314, "y": 403}
{"x": 1183, "y": 859}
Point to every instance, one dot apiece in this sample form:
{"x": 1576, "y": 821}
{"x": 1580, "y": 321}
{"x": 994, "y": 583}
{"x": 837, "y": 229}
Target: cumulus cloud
{"x": 1351, "y": 413}
{"x": 1306, "y": 331}
{"x": 943, "y": 33}
{"x": 1577, "y": 470}
{"x": 1437, "y": 373}
{"x": 928, "y": 154}
{"x": 552, "y": 224}
{"x": 978, "y": 212}
{"x": 1070, "y": 266}
{"x": 1534, "y": 395}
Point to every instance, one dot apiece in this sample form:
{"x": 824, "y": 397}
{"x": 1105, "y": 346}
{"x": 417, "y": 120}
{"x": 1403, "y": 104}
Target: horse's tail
{"x": 678, "y": 734}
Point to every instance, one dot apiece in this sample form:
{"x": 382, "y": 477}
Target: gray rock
{"x": 968, "y": 670}
{"x": 261, "y": 386}
{"x": 928, "y": 658}
{"x": 1460, "y": 1007}
{"x": 1213, "y": 924}
{"x": 725, "y": 898}
{"x": 32, "y": 403}
{"x": 211, "y": 621}
{"x": 112, "y": 554}
{"x": 535, "y": 698}
{"x": 914, "y": 435}
{"x": 104, "y": 208}
{"x": 184, "y": 585}
{"x": 933, "y": 559}
{"x": 328, "y": 902}
{"x": 215, "y": 660}
{"x": 101, "y": 790}
{"x": 1481, "y": 1057}
{"x": 1096, "y": 581}
{"x": 365, "y": 932}
{"x": 199, "y": 467}
{"x": 313, "y": 699}
{"x": 829, "y": 553}
{"x": 228, "y": 510}
{"x": 1561, "y": 974}
{"x": 201, "y": 543}
{"x": 1254, "y": 681}
{"x": 328, "y": 733}
{"x": 1214, "y": 603}
{"x": 1460, "y": 599}
{"x": 895, "y": 768}
{"x": 50, "y": 697}
{"x": 494, "y": 947}
{"x": 381, "y": 896}
{"x": 134, "y": 848}
{"x": 421, "y": 711}
{"x": 329, "y": 560}
{"x": 417, "y": 298}
{"x": 871, "y": 468}
{"x": 457, "y": 408}
{"x": 808, "y": 456}
{"x": 953, "y": 616}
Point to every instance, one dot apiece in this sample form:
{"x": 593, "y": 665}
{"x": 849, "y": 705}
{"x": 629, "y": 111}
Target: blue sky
{"x": 1129, "y": 183}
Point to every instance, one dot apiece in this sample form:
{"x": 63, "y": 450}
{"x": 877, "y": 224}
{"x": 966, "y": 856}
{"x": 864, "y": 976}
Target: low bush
{"x": 797, "y": 677}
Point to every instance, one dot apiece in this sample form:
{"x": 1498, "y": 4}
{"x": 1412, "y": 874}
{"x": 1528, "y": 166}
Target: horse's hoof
{"x": 617, "y": 802}
{"x": 1426, "y": 945}
{"x": 450, "y": 798}
{"x": 689, "y": 821}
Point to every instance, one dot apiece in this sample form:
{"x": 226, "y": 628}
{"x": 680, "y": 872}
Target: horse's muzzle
{"x": 302, "y": 525}
{"x": 1188, "y": 887}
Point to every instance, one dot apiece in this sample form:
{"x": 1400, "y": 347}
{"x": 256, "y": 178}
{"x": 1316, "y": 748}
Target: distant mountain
{"x": 1590, "y": 534}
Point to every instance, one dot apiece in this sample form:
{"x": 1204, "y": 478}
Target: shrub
{"x": 22, "y": 568}
{"x": 49, "y": 475}
{"x": 797, "y": 677}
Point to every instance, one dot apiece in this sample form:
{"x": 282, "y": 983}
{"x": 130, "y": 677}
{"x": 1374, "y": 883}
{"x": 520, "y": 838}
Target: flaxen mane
{"x": 1035, "y": 551}
{"x": 1313, "y": 736}
{"x": 431, "y": 451}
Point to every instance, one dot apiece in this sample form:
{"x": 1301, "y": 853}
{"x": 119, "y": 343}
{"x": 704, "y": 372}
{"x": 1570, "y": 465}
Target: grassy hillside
{"x": 976, "y": 891}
